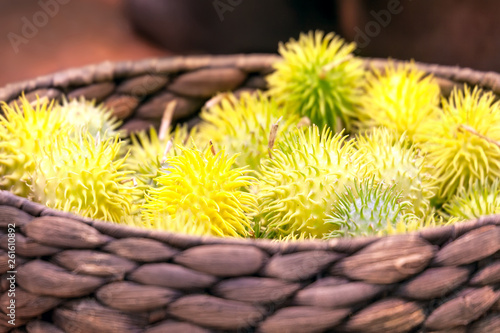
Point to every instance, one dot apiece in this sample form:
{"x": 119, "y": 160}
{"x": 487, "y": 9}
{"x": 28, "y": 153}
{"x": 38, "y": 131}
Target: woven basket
{"x": 79, "y": 275}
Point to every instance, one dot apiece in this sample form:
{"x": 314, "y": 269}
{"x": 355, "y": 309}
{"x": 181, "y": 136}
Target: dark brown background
{"x": 83, "y": 32}
{"x": 450, "y": 32}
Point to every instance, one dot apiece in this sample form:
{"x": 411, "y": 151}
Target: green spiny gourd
{"x": 244, "y": 125}
{"x": 464, "y": 145}
{"x": 366, "y": 209}
{"x": 475, "y": 201}
{"x": 399, "y": 98}
{"x": 25, "y": 129}
{"x": 85, "y": 176}
{"x": 208, "y": 188}
{"x": 298, "y": 183}
{"x": 85, "y": 115}
{"x": 392, "y": 160}
{"x": 319, "y": 78}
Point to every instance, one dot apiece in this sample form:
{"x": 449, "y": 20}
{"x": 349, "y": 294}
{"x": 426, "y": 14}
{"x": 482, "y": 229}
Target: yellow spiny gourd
{"x": 297, "y": 185}
{"x": 183, "y": 222}
{"x": 392, "y": 160}
{"x": 148, "y": 153}
{"x": 86, "y": 116}
{"x": 399, "y": 98}
{"x": 85, "y": 176}
{"x": 475, "y": 201}
{"x": 243, "y": 126}
{"x": 25, "y": 129}
{"x": 206, "y": 187}
{"x": 463, "y": 146}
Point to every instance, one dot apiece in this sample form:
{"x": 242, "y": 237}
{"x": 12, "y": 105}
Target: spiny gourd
{"x": 293, "y": 237}
{"x": 85, "y": 176}
{"x": 366, "y": 209}
{"x": 208, "y": 188}
{"x": 399, "y": 98}
{"x": 392, "y": 160}
{"x": 464, "y": 145}
{"x": 85, "y": 115}
{"x": 183, "y": 222}
{"x": 244, "y": 125}
{"x": 25, "y": 129}
{"x": 148, "y": 152}
{"x": 475, "y": 201}
{"x": 319, "y": 78}
{"x": 298, "y": 183}
{"x": 432, "y": 219}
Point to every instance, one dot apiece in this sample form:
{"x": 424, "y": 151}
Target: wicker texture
{"x": 80, "y": 275}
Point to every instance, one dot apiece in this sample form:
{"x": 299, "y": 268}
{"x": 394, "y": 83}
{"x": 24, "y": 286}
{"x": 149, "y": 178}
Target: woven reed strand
{"x": 80, "y": 275}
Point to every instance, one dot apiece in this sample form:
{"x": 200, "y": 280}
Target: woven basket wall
{"x": 77, "y": 275}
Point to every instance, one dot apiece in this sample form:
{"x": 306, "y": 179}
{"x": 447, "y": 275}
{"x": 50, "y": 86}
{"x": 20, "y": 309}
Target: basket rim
{"x": 107, "y": 71}
{"x": 449, "y": 232}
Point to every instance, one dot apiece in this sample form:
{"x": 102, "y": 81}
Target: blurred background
{"x": 44, "y": 36}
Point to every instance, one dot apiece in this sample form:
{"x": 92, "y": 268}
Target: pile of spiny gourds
{"x": 330, "y": 150}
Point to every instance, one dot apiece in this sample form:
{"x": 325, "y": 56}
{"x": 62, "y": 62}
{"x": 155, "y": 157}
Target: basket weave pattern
{"x": 81, "y": 275}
